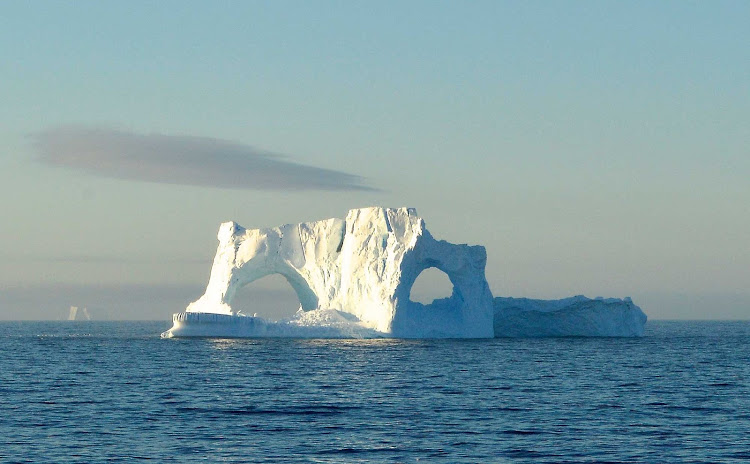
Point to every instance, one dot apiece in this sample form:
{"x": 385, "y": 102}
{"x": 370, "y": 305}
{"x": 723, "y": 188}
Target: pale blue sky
{"x": 592, "y": 147}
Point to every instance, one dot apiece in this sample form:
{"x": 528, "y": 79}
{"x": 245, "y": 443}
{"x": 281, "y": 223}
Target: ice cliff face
{"x": 363, "y": 265}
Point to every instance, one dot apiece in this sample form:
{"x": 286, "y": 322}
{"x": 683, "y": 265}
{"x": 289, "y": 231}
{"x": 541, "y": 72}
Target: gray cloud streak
{"x": 186, "y": 160}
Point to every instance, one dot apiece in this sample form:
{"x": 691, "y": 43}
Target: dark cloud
{"x": 187, "y": 160}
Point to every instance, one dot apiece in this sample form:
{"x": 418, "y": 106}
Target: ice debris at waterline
{"x": 317, "y": 323}
{"x": 353, "y": 278}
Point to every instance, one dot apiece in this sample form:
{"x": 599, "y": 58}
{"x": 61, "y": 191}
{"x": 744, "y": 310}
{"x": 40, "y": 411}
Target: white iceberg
{"x": 353, "y": 278}
{"x": 363, "y": 266}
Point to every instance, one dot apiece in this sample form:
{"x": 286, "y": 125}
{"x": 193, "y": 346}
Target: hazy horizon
{"x": 592, "y": 148}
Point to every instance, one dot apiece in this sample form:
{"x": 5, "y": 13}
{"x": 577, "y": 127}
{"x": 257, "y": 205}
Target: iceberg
{"x": 75, "y": 315}
{"x": 576, "y": 316}
{"x": 363, "y": 265}
{"x": 353, "y": 278}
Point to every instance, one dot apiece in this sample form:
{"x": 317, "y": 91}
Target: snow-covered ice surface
{"x": 353, "y": 278}
{"x": 574, "y": 316}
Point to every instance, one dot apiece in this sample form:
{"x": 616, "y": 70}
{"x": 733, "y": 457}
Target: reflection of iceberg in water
{"x": 75, "y": 315}
{"x": 353, "y": 278}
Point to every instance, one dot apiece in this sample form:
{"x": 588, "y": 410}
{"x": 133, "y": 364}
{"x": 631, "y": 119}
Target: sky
{"x": 596, "y": 148}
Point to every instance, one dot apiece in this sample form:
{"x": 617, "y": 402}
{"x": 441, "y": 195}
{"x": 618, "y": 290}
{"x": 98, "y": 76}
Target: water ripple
{"x": 108, "y": 392}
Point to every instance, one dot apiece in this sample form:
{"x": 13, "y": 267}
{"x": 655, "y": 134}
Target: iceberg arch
{"x": 363, "y": 265}
{"x": 470, "y": 301}
{"x": 245, "y": 256}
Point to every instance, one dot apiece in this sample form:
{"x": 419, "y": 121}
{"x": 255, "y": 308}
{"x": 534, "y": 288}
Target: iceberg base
{"x": 305, "y": 324}
{"x": 577, "y": 316}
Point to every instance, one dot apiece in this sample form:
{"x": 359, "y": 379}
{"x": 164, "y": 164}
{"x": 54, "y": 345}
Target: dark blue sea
{"x": 116, "y": 392}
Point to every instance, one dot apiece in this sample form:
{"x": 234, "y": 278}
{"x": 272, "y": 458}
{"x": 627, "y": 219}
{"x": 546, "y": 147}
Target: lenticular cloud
{"x": 181, "y": 159}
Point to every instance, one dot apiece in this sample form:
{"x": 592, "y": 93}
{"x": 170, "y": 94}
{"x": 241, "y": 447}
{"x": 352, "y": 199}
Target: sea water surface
{"x": 116, "y": 392}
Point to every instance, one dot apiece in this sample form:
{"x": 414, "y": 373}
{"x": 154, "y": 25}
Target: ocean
{"x": 115, "y": 392}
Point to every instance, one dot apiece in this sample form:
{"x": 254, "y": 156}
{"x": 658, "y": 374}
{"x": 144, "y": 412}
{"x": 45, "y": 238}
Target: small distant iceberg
{"x": 76, "y": 315}
{"x": 353, "y": 278}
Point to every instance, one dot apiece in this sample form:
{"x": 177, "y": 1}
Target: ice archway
{"x": 271, "y": 297}
{"x": 364, "y": 265}
{"x": 431, "y": 284}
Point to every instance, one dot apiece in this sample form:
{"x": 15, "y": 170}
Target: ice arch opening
{"x": 270, "y": 297}
{"x": 450, "y": 303}
{"x": 430, "y": 285}
{"x": 305, "y": 295}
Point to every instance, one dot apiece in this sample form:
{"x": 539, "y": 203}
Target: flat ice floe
{"x": 576, "y": 316}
